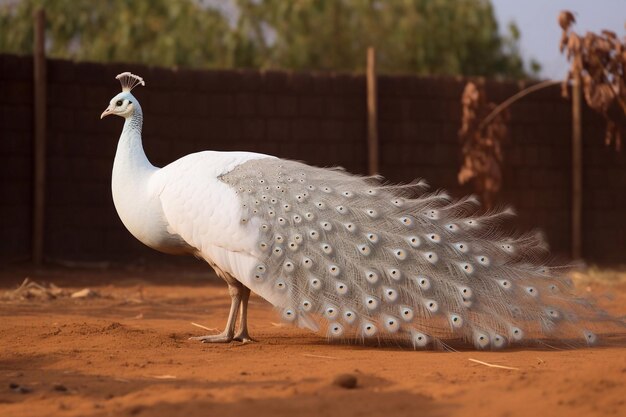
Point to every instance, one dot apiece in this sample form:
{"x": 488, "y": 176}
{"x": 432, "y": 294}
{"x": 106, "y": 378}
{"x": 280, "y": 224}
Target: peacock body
{"x": 342, "y": 254}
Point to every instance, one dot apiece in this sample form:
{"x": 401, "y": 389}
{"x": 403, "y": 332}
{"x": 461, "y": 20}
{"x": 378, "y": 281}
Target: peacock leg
{"x": 243, "y": 335}
{"x": 236, "y": 291}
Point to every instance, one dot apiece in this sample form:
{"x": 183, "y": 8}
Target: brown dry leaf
{"x": 600, "y": 61}
{"x": 481, "y": 145}
{"x": 566, "y": 18}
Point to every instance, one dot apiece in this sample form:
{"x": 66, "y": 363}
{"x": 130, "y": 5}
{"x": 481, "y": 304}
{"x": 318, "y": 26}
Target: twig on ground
{"x": 491, "y": 365}
{"x": 308, "y": 355}
{"x": 203, "y": 327}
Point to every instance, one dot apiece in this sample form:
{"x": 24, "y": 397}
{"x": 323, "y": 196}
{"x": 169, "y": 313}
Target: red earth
{"x": 125, "y": 352}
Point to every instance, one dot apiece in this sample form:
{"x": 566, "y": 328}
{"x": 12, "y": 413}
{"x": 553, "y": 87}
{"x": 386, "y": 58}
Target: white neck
{"x": 131, "y": 166}
{"x": 130, "y": 180}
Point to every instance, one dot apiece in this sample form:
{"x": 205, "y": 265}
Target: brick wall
{"x": 319, "y": 118}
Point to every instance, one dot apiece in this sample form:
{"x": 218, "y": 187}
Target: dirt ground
{"x": 125, "y": 352}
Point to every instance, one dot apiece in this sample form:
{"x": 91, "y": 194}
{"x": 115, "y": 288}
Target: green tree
{"x": 158, "y": 32}
{"x": 421, "y": 36}
{"x": 446, "y": 37}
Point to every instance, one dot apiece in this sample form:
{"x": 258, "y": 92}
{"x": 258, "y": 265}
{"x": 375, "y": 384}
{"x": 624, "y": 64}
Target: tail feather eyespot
{"x": 423, "y": 282}
{"x": 407, "y": 221}
{"x": 431, "y": 305}
{"x": 395, "y": 274}
{"x": 498, "y": 341}
{"x": 330, "y": 312}
{"x": 371, "y": 303}
{"x": 590, "y": 337}
{"x": 462, "y": 247}
{"x": 326, "y": 248}
{"x": 372, "y": 277}
{"x": 505, "y": 284}
{"x": 553, "y": 313}
{"x": 289, "y": 315}
{"x": 390, "y": 295}
{"x": 406, "y": 313}
{"x": 369, "y": 329}
{"x": 413, "y": 241}
{"x": 400, "y": 254}
{"x": 481, "y": 340}
{"x": 434, "y": 237}
{"x": 516, "y": 334}
{"x": 288, "y": 266}
{"x": 431, "y": 257}
{"x": 456, "y": 321}
{"x": 335, "y": 330}
{"x": 372, "y": 213}
{"x": 364, "y": 249}
{"x": 315, "y": 283}
{"x": 392, "y": 324}
{"x": 471, "y": 222}
{"x": 466, "y": 292}
{"x": 532, "y": 291}
{"x": 349, "y": 316}
{"x": 372, "y": 237}
{"x": 483, "y": 260}
{"x": 341, "y": 288}
{"x": 327, "y": 226}
{"x": 420, "y": 340}
{"x": 334, "y": 270}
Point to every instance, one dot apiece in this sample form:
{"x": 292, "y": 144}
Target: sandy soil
{"x": 126, "y": 353}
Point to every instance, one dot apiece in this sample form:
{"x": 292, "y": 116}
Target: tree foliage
{"x": 448, "y": 37}
{"x": 159, "y": 32}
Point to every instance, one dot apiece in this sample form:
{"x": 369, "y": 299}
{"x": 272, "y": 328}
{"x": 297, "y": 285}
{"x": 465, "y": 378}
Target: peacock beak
{"x": 106, "y": 112}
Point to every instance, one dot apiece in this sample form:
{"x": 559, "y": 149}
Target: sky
{"x": 537, "y": 21}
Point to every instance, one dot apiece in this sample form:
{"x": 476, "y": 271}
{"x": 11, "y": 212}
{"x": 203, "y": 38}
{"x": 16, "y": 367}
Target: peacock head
{"x": 124, "y": 103}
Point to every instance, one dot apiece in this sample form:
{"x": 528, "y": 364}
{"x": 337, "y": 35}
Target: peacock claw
{"x": 213, "y": 338}
{"x": 244, "y": 339}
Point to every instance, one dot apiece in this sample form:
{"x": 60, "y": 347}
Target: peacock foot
{"x": 244, "y": 338}
{"x": 223, "y": 337}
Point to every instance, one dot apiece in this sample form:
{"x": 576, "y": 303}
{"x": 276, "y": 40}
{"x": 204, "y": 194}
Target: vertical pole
{"x": 39, "y": 128}
{"x": 577, "y": 169}
{"x": 372, "y": 114}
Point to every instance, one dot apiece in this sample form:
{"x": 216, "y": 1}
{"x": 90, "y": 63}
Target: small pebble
{"x": 59, "y": 387}
{"x": 347, "y": 381}
{"x": 18, "y": 388}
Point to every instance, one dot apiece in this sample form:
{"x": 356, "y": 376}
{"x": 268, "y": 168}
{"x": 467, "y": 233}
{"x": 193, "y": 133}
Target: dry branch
{"x": 600, "y": 61}
{"x": 481, "y": 141}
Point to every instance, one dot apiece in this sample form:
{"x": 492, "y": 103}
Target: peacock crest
{"x": 129, "y": 81}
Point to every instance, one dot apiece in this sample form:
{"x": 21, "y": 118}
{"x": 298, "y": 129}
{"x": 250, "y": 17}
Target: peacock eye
{"x": 118, "y": 103}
